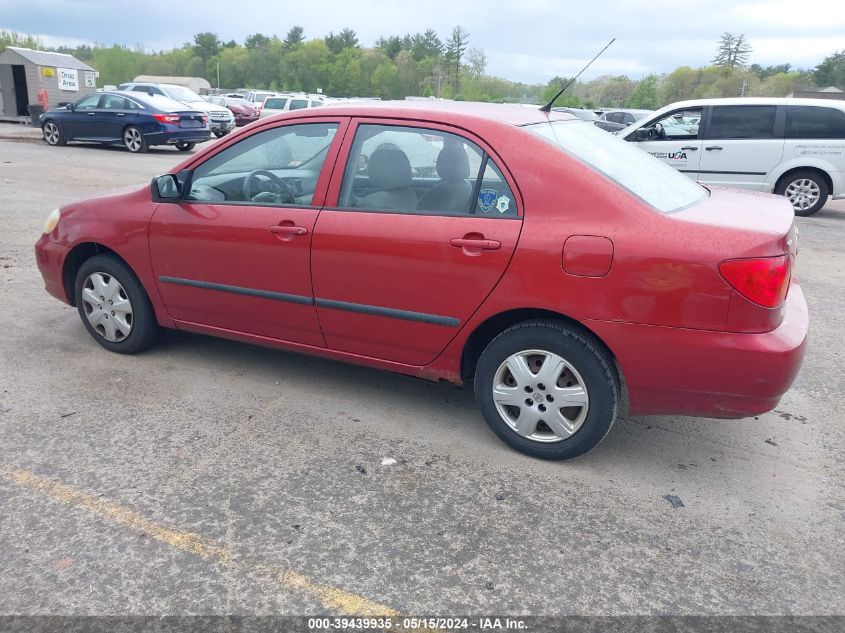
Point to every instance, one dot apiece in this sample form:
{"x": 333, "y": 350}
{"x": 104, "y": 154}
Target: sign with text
{"x": 90, "y": 79}
{"x": 68, "y": 79}
{"x": 46, "y": 71}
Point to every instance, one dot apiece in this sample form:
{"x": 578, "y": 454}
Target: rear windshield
{"x": 648, "y": 178}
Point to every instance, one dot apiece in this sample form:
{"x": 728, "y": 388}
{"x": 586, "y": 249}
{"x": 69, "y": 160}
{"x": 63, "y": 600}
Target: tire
{"x": 586, "y": 377}
{"x": 53, "y": 134}
{"x": 185, "y": 147}
{"x": 96, "y": 279}
{"x": 220, "y": 133}
{"x": 134, "y": 141}
{"x": 807, "y": 190}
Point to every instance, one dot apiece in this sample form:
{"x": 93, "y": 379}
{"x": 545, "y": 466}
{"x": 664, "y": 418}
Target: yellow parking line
{"x": 338, "y": 600}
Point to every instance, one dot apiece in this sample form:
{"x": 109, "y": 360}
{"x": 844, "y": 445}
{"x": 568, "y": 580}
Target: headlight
{"x": 52, "y": 221}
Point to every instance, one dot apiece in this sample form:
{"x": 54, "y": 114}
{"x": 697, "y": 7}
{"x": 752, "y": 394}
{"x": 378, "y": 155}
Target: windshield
{"x": 182, "y": 94}
{"x": 648, "y": 178}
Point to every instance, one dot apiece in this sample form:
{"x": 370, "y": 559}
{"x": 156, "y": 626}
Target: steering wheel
{"x": 656, "y": 132}
{"x": 279, "y": 191}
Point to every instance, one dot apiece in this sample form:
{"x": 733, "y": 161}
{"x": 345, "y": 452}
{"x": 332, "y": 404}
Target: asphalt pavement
{"x": 211, "y": 477}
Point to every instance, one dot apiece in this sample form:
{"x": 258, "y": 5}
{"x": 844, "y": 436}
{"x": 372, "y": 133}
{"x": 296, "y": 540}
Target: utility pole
{"x": 218, "y": 74}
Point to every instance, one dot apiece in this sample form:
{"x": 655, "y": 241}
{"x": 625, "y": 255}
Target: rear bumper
{"x": 51, "y": 260}
{"x": 178, "y": 136}
{"x": 711, "y": 374}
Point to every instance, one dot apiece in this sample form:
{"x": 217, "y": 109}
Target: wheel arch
{"x": 77, "y": 256}
{"x": 489, "y": 329}
{"x": 819, "y": 170}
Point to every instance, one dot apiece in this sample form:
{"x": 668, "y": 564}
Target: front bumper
{"x": 221, "y": 126}
{"x": 51, "y": 260}
{"x": 708, "y": 373}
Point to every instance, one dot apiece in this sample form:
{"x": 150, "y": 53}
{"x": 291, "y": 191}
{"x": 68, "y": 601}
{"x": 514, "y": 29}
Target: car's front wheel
{"x": 806, "y": 190}
{"x": 547, "y": 390}
{"x": 220, "y": 133}
{"x": 185, "y": 147}
{"x": 113, "y": 305}
{"x": 53, "y": 134}
{"x": 133, "y": 140}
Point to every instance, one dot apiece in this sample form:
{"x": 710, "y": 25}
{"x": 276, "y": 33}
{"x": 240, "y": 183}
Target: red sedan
{"x": 564, "y": 273}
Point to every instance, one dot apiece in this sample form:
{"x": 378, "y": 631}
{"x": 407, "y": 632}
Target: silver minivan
{"x": 791, "y": 147}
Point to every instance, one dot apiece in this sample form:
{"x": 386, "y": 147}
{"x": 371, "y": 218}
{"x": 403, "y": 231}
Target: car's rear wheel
{"x": 53, "y": 134}
{"x": 113, "y": 305}
{"x": 185, "y": 147}
{"x": 133, "y": 140}
{"x": 547, "y": 390}
{"x": 806, "y": 190}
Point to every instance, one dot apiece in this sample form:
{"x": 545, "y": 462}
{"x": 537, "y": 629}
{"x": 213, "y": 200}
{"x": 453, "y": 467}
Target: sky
{"x": 524, "y": 40}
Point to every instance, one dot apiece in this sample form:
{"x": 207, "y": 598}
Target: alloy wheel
{"x": 51, "y": 133}
{"x": 132, "y": 139}
{"x": 803, "y": 193}
{"x": 540, "y": 395}
{"x": 107, "y": 306}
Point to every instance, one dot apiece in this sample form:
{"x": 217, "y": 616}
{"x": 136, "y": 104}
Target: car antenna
{"x": 548, "y": 107}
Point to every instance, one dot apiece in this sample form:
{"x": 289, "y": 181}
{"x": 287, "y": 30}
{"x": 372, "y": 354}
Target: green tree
{"x": 426, "y": 45}
{"x": 345, "y": 39}
{"x": 256, "y": 40}
{"x": 477, "y": 61}
{"x": 295, "y": 37}
{"x": 386, "y": 81}
{"x": 206, "y": 46}
{"x": 13, "y": 38}
{"x": 646, "y": 94}
{"x": 732, "y": 51}
{"x": 391, "y": 46}
{"x": 456, "y": 45}
{"x": 831, "y": 72}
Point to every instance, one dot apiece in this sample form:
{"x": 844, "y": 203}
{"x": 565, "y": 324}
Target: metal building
{"x": 29, "y": 77}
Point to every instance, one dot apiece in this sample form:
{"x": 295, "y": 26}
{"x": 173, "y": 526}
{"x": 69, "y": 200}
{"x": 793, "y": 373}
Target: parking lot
{"x": 208, "y": 476}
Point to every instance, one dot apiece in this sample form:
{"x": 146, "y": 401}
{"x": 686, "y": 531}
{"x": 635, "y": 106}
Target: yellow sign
{"x": 48, "y": 72}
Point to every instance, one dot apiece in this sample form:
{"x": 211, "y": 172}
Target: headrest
{"x": 452, "y": 163}
{"x": 389, "y": 169}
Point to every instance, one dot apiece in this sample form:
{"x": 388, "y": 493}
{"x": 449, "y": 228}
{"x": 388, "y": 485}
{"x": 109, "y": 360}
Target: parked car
{"x": 287, "y": 102}
{"x": 615, "y": 120}
{"x": 581, "y": 113}
{"x": 220, "y": 119}
{"x": 792, "y": 147}
{"x": 526, "y": 267}
{"x": 135, "y": 120}
{"x": 257, "y": 96}
{"x": 243, "y": 111}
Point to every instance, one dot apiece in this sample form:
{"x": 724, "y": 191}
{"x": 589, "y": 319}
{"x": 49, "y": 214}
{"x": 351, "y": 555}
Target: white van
{"x": 286, "y": 102}
{"x": 792, "y": 147}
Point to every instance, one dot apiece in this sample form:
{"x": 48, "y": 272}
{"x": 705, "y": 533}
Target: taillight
{"x": 762, "y": 280}
{"x": 204, "y": 119}
{"x": 167, "y": 118}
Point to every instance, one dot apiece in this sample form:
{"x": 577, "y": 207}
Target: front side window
{"x": 420, "y": 170}
{"x": 650, "y": 179}
{"x": 88, "y": 103}
{"x": 814, "y": 122}
{"x": 742, "y": 122}
{"x": 276, "y": 167}
{"x": 681, "y": 125}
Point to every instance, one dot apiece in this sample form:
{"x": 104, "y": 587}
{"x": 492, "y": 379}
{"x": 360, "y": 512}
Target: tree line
{"x": 424, "y": 64}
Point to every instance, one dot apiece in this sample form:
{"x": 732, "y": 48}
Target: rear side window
{"x": 298, "y": 104}
{"x": 275, "y": 104}
{"x": 742, "y": 122}
{"x": 814, "y": 122}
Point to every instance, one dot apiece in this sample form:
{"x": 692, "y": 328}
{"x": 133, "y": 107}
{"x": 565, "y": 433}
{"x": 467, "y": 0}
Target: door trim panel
{"x": 406, "y": 315}
{"x": 238, "y": 290}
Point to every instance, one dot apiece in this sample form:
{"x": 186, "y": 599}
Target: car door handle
{"x": 287, "y": 230}
{"x": 122, "y": 114}
{"x": 689, "y": 148}
{"x": 710, "y": 148}
{"x": 90, "y": 114}
{"x": 476, "y": 243}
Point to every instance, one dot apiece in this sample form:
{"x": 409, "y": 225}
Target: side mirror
{"x": 639, "y": 134}
{"x": 165, "y": 188}
{"x": 71, "y": 106}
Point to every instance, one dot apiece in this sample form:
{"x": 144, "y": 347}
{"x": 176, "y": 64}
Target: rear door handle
{"x": 479, "y": 243}
{"x": 690, "y": 148}
{"x": 710, "y": 148}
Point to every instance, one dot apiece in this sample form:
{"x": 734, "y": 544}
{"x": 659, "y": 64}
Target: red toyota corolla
{"x": 563, "y": 272}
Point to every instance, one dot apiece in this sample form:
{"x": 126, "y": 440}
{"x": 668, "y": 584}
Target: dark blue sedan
{"x": 131, "y": 118}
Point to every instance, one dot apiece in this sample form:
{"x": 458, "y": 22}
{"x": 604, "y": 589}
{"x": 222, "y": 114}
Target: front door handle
{"x": 475, "y": 244}
{"x": 710, "y": 148}
{"x": 287, "y": 230}
{"x": 689, "y": 148}
{"x": 90, "y": 114}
